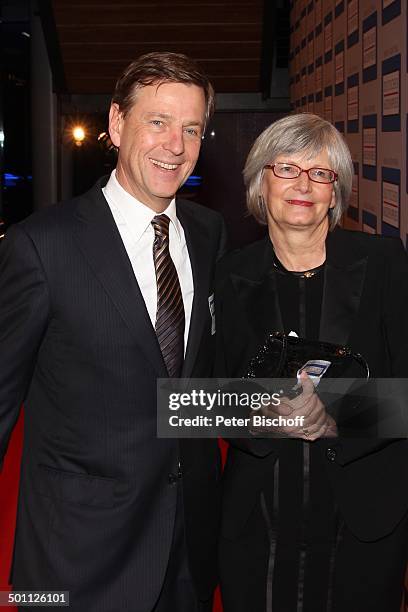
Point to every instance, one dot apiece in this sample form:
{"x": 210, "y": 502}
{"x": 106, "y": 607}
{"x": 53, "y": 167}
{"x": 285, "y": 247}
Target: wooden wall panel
{"x": 355, "y": 75}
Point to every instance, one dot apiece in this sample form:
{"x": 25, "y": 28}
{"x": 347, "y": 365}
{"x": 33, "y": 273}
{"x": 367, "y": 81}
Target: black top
{"x": 300, "y": 299}
{"x": 302, "y": 497}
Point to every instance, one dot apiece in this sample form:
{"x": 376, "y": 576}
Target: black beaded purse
{"x": 281, "y": 356}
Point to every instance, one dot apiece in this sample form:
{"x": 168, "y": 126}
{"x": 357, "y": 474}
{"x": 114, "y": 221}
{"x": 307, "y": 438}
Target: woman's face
{"x": 299, "y": 202}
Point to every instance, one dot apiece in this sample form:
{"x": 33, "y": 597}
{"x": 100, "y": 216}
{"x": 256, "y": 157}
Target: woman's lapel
{"x": 255, "y": 288}
{"x": 344, "y": 276}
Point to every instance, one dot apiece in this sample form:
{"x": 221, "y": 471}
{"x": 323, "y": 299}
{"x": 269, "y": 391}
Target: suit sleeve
{"x": 395, "y": 309}
{"x": 223, "y": 240}
{"x": 395, "y": 334}
{"x": 24, "y": 309}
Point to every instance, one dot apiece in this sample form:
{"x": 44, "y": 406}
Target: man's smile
{"x": 164, "y": 165}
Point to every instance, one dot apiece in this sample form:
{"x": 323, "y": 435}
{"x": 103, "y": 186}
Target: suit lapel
{"x": 99, "y": 240}
{"x": 343, "y": 285}
{"x": 197, "y": 245}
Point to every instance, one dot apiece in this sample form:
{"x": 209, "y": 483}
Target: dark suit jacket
{"x": 364, "y": 306}
{"x": 98, "y": 488}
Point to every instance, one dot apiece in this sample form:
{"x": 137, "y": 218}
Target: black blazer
{"x": 364, "y": 305}
{"x": 97, "y": 495}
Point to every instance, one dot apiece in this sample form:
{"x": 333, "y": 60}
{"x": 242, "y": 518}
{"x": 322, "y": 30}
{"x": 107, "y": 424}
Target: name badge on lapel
{"x": 211, "y": 306}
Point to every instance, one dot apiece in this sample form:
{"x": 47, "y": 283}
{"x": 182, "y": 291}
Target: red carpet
{"x": 8, "y": 504}
{"x": 217, "y": 599}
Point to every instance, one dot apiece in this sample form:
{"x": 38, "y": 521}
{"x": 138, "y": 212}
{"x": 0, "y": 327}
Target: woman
{"x": 316, "y": 522}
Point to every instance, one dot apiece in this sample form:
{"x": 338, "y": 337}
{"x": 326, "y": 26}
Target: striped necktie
{"x": 170, "y": 309}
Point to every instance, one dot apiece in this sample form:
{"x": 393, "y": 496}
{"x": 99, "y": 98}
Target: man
{"x": 100, "y": 296}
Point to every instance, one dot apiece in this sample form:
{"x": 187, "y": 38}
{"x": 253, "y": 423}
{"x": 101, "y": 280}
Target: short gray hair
{"x": 299, "y": 133}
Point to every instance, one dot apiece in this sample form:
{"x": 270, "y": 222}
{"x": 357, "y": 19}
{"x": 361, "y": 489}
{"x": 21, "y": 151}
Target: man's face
{"x": 159, "y": 141}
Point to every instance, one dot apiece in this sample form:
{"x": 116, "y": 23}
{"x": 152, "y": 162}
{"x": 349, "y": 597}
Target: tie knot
{"x": 161, "y": 226}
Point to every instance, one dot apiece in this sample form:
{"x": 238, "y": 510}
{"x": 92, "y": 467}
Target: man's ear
{"x": 115, "y": 124}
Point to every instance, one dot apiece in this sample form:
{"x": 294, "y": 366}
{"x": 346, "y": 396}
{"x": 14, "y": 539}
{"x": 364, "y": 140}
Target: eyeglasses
{"x": 292, "y": 171}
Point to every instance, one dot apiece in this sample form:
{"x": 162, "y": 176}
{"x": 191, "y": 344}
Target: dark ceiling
{"x": 98, "y": 38}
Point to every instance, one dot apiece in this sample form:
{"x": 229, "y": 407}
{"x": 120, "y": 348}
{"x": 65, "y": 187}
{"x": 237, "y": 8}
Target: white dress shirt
{"x": 133, "y": 219}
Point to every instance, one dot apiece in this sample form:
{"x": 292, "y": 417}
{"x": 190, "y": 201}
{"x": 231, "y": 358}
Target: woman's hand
{"x": 316, "y": 422}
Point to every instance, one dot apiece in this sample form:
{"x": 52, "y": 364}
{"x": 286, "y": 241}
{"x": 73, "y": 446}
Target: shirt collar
{"x": 137, "y": 216}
